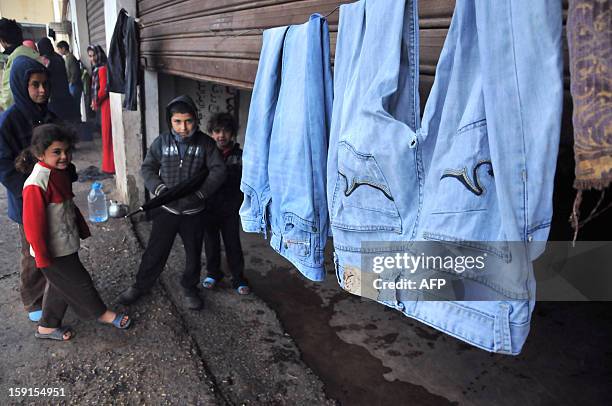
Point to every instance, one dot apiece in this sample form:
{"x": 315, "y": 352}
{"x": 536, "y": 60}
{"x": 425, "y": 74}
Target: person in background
{"x": 101, "y": 103}
{"x": 53, "y": 226}
{"x": 30, "y": 44}
{"x": 61, "y": 102}
{"x": 11, "y": 38}
{"x": 221, "y": 215}
{"x": 30, "y": 87}
{"x": 75, "y": 85}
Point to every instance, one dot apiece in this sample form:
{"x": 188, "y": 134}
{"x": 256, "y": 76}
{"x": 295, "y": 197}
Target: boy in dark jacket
{"x": 221, "y": 216}
{"x": 29, "y": 83}
{"x": 173, "y": 157}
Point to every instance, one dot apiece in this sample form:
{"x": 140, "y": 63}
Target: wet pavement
{"x": 291, "y": 342}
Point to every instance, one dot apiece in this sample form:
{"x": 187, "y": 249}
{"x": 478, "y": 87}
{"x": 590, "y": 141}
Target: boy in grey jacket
{"x": 172, "y": 158}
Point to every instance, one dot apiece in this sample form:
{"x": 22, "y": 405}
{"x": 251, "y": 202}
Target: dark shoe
{"x": 57, "y": 334}
{"x": 129, "y": 296}
{"x": 192, "y": 301}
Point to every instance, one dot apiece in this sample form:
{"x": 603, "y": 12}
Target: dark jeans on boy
{"x": 165, "y": 228}
{"x": 228, "y": 226}
{"x": 69, "y": 284}
{"x": 33, "y": 282}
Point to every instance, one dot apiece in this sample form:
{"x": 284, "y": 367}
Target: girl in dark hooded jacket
{"x": 30, "y": 88}
{"x": 61, "y": 102}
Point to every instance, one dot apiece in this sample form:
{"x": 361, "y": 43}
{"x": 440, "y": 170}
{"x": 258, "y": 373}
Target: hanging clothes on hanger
{"x": 474, "y": 176}
{"x": 285, "y": 152}
{"x": 123, "y": 60}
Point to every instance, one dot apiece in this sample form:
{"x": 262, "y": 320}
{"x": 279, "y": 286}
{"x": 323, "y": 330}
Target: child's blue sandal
{"x": 243, "y": 290}
{"x": 209, "y": 283}
{"x": 117, "y": 321}
{"x": 57, "y": 334}
{"x": 35, "y": 315}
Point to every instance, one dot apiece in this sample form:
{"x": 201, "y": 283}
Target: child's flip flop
{"x": 117, "y": 321}
{"x": 57, "y": 334}
{"x": 209, "y": 283}
{"x": 35, "y": 315}
{"x": 243, "y": 290}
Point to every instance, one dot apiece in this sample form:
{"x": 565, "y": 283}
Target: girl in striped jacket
{"x": 53, "y": 226}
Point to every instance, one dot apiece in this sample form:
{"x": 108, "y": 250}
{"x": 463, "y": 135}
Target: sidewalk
{"x": 290, "y": 342}
{"x": 168, "y": 355}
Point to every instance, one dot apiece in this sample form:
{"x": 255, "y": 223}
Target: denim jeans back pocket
{"x": 466, "y": 178}
{"x": 464, "y": 209}
{"x": 362, "y": 199}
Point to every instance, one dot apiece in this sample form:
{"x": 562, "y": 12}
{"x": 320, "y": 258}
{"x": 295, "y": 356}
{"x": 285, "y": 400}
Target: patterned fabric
{"x": 589, "y": 37}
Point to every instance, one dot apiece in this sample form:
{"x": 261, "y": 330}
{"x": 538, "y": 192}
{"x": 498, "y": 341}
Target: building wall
{"x": 30, "y": 11}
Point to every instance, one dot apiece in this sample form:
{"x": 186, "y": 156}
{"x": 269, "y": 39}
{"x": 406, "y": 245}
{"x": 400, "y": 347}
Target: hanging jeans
{"x": 475, "y": 172}
{"x": 285, "y": 153}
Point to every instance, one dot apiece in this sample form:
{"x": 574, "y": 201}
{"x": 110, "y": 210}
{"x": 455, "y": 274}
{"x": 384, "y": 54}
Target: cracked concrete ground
{"x": 290, "y": 342}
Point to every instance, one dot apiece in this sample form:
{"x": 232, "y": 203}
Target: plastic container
{"x": 96, "y": 203}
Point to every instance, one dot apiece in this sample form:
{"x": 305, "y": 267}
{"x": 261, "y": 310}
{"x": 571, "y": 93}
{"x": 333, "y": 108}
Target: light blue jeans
{"x": 285, "y": 153}
{"x": 475, "y": 172}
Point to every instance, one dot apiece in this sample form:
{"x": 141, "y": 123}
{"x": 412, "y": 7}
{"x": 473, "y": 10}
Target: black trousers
{"x": 165, "y": 228}
{"x": 228, "y": 227}
{"x": 33, "y": 281}
{"x": 69, "y": 284}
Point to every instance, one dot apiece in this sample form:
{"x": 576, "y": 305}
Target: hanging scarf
{"x": 589, "y": 35}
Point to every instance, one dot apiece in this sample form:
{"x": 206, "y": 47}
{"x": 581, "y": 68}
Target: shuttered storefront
{"x": 95, "y": 22}
{"x": 220, "y": 41}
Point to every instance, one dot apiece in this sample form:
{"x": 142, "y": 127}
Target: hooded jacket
{"x": 164, "y": 167}
{"x": 60, "y": 102}
{"x": 226, "y": 201}
{"x": 6, "y": 97}
{"x": 16, "y": 125}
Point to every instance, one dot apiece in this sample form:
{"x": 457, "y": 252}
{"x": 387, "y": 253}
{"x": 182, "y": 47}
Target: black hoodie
{"x": 164, "y": 167}
{"x": 16, "y": 126}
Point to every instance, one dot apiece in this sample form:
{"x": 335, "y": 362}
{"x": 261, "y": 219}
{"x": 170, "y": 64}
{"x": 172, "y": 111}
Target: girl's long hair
{"x": 42, "y": 137}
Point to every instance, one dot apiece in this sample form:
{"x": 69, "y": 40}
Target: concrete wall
{"x": 151, "y": 86}
{"x": 243, "y": 113}
{"x": 80, "y": 30}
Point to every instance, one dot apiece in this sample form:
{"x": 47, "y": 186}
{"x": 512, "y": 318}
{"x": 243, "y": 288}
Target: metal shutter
{"x": 95, "y": 22}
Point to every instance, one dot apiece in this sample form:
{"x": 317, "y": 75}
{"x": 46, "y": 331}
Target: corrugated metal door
{"x": 95, "y": 22}
{"x": 218, "y": 41}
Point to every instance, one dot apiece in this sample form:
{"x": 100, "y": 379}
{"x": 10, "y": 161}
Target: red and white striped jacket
{"x": 51, "y": 221}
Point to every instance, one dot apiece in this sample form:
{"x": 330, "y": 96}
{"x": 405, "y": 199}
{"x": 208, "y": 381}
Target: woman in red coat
{"x": 100, "y": 100}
